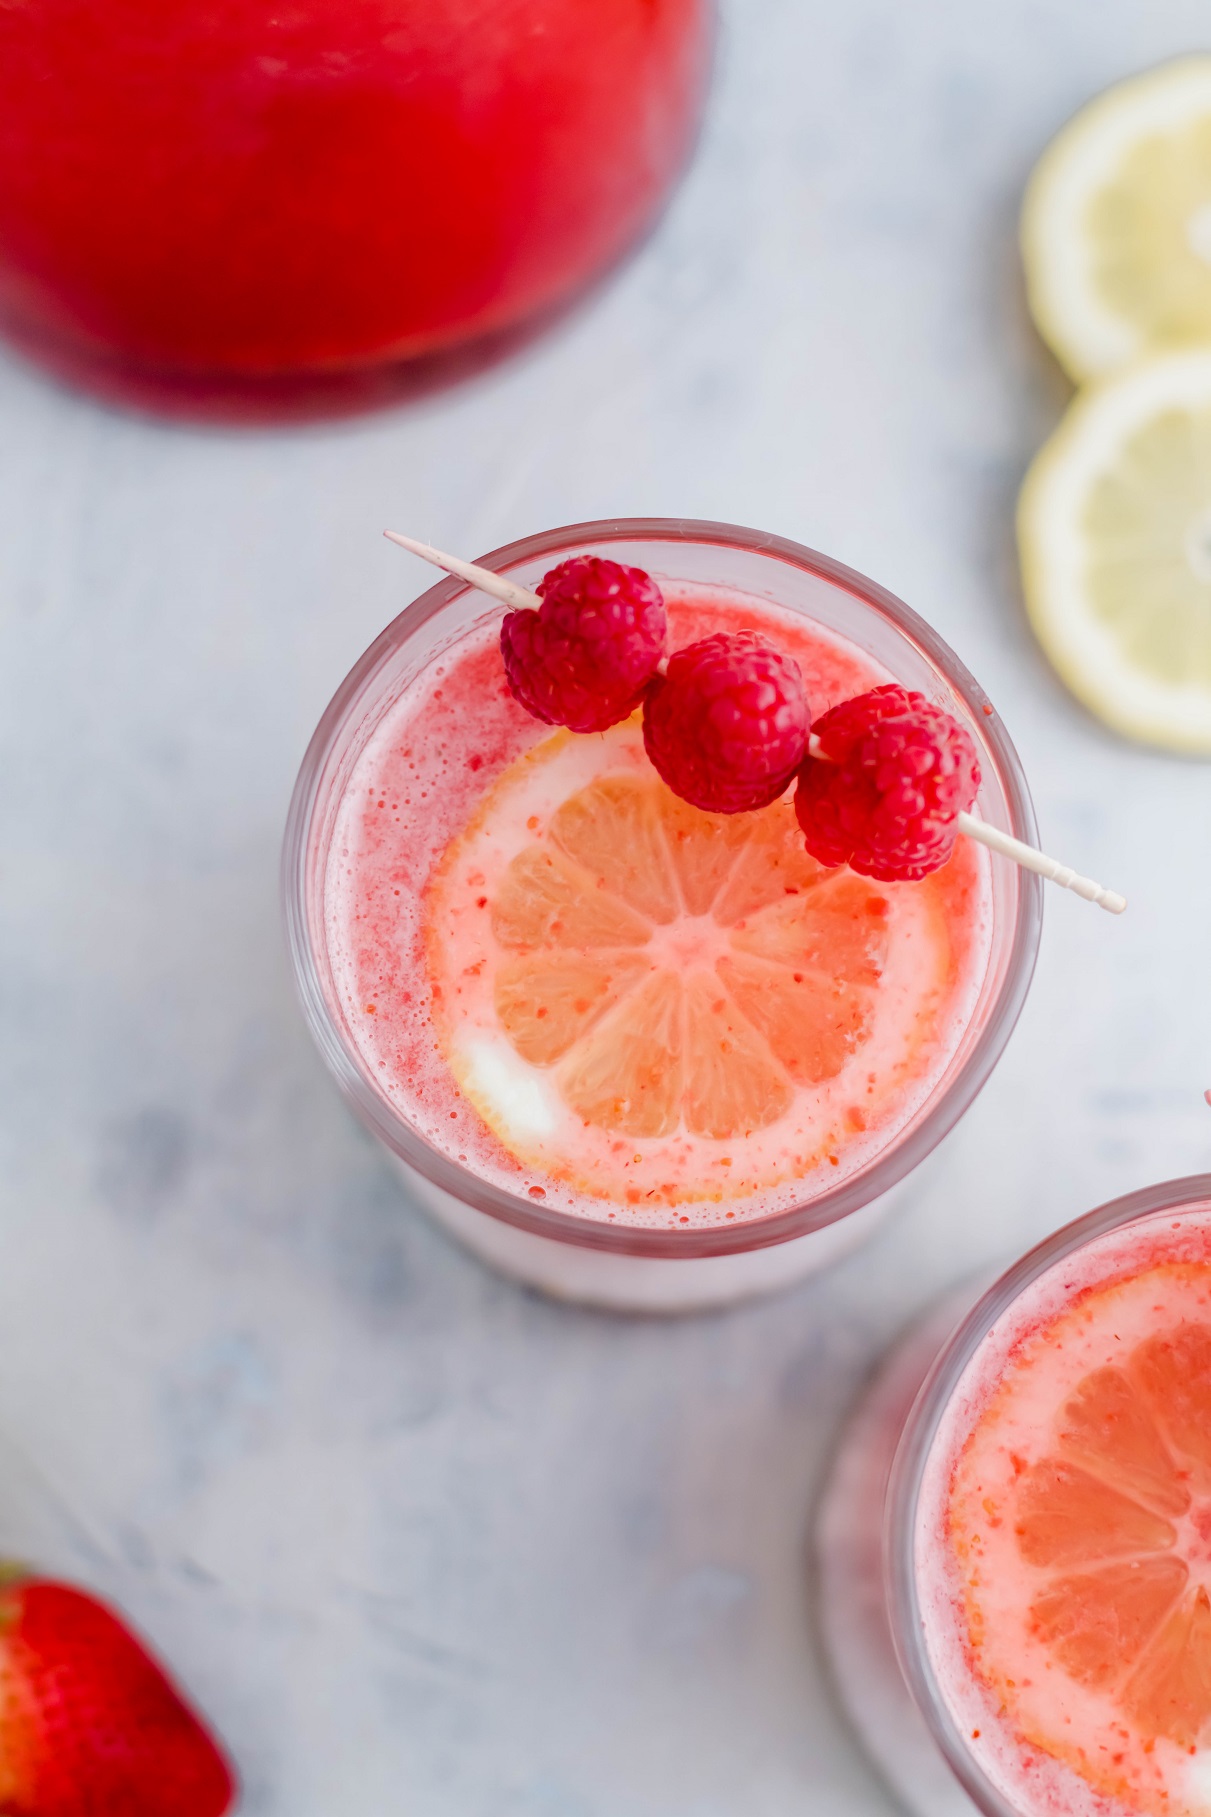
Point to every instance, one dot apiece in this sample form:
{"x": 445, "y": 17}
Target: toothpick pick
{"x": 1030, "y": 860}
{"x": 1023, "y": 854}
{"x": 483, "y": 578}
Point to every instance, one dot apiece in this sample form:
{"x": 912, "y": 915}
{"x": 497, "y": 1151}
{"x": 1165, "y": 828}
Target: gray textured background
{"x": 420, "y": 1542}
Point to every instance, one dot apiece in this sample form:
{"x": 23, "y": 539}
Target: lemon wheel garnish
{"x": 655, "y": 1005}
{"x": 1114, "y": 526}
{"x": 1079, "y": 1517}
{"x": 1116, "y": 227}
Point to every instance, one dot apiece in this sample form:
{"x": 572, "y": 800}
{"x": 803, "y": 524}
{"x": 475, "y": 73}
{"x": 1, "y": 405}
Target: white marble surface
{"x": 420, "y": 1542}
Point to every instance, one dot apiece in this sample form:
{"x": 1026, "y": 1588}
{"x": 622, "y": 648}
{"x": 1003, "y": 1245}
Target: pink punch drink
{"x": 1023, "y": 1595}
{"x": 628, "y": 1051}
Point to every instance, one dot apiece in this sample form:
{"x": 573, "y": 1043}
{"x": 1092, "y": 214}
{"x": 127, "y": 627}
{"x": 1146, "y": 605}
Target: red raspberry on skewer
{"x": 727, "y": 725}
{"x": 820, "y": 801}
{"x": 584, "y": 658}
{"x": 893, "y": 774}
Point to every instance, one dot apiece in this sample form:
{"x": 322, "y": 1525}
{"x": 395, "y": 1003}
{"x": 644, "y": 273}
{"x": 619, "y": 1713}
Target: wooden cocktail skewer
{"x": 1026, "y": 855}
{"x": 1031, "y": 860}
{"x": 483, "y": 578}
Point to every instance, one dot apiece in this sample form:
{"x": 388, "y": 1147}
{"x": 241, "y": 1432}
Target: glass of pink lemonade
{"x": 630, "y": 1052}
{"x": 1016, "y": 1540}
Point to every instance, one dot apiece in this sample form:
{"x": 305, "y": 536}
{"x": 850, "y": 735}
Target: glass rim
{"x": 916, "y": 1441}
{"x": 850, "y": 1195}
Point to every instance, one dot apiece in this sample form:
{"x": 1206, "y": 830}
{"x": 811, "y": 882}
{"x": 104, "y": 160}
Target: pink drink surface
{"x": 1063, "y": 1544}
{"x": 442, "y": 771}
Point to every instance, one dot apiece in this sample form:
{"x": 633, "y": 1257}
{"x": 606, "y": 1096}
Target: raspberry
{"x": 727, "y": 726}
{"x": 893, "y": 774}
{"x": 584, "y": 658}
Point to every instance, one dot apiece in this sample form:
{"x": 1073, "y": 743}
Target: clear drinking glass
{"x": 874, "y": 1522}
{"x": 582, "y": 1258}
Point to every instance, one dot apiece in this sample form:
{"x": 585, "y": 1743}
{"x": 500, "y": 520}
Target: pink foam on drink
{"x": 415, "y": 787}
{"x": 997, "y": 1677}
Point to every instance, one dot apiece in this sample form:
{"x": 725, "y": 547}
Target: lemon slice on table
{"x": 1114, "y": 526}
{"x": 1116, "y": 228}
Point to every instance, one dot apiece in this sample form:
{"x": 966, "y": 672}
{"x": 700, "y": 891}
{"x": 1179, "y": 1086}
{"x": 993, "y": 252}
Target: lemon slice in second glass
{"x": 1116, "y": 227}
{"x": 1114, "y": 526}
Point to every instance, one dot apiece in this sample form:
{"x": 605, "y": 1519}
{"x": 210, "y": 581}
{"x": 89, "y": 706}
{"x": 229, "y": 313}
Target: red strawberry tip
{"x": 90, "y": 1721}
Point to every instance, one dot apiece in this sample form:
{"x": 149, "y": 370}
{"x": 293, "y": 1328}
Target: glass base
{"x": 629, "y": 1283}
{"x": 850, "y": 1576}
{"x": 231, "y": 398}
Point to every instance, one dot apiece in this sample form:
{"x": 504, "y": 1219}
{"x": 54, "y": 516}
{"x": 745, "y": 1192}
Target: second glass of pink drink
{"x": 1016, "y": 1540}
{"x": 629, "y": 1052}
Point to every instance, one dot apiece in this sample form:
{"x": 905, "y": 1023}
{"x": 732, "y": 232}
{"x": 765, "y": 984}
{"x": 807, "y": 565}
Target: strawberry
{"x": 89, "y": 1724}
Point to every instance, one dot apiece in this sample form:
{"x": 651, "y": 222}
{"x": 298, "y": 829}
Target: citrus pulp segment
{"x": 1114, "y": 527}
{"x": 653, "y": 1002}
{"x": 1116, "y": 226}
{"x": 1080, "y": 1516}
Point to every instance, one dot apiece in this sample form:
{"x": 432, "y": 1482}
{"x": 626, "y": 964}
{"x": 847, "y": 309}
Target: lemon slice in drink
{"x": 1080, "y": 1513}
{"x": 1114, "y": 527}
{"x": 1116, "y": 227}
{"x": 657, "y": 1005}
